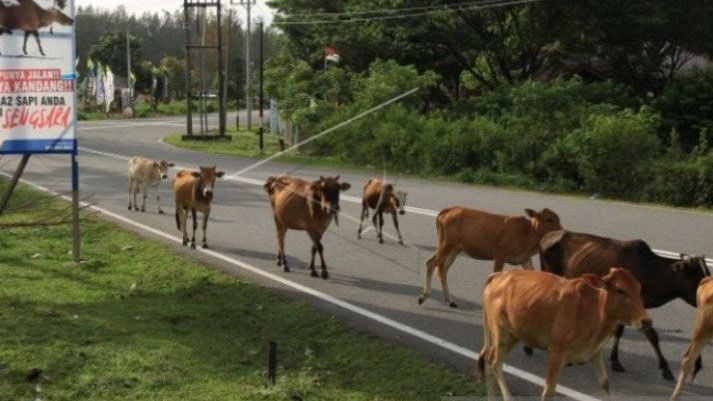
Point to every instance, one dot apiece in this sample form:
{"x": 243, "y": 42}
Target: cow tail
{"x": 484, "y": 355}
{"x": 178, "y": 219}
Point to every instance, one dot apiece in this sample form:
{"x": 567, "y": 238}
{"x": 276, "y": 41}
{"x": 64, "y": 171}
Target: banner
{"x": 37, "y": 78}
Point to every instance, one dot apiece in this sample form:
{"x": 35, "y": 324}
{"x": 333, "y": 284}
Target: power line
{"x": 391, "y": 10}
{"x": 403, "y": 16}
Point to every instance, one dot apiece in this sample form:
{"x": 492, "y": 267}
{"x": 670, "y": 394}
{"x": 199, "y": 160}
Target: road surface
{"x": 374, "y": 287}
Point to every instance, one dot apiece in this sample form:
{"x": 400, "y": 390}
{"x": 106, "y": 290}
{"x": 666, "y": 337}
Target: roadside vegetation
{"x": 138, "y": 321}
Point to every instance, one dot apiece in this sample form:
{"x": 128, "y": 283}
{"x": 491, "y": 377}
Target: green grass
{"x": 139, "y": 322}
{"x": 247, "y": 144}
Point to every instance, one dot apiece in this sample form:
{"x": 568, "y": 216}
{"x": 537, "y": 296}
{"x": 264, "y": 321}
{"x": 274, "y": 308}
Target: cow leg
{"x": 600, "y": 370}
{"x": 364, "y": 214}
{"x": 381, "y": 227}
{"x": 502, "y": 349}
{"x": 443, "y": 276}
{"x": 654, "y": 340}
{"x": 205, "y": 229}
{"x": 498, "y": 266}
{"x": 281, "y": 259}
{"x": 396, "y": 225}
{"x": 432, "y": 263}
{"x": 555, "y": 361}
{"x": 692, "y": 354}
{"x": 24, "y": 44}
{"x": 158, "y": 200}
{"x": 144, "y": 194}
{"x": 318, "y": 243}
{"x": 135, "y": 194}
{"x": 131, "y": 191}
{"x": 37, "y": 39}
{"x": 184, "y": 224}
{"x": 312, "y": 270}
{"x": 195, "y": 227}
{"x": 375, "y": 222}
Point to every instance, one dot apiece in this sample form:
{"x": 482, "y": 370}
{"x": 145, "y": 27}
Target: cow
{"x": 569, "y": 318}
{"x": 193, "y": 191}
{"x": 298, "y": 204}
{"x": 380, "y": 196}
{"x": 145, "y": 173}
{"x": 30, "y": 17}
{"x": 662, "y": 279}
{"x": 702, "y": 333}
{"x": 486, "y": 236}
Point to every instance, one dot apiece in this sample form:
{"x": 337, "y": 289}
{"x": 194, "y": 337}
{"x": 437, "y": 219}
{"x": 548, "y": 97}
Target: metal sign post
{"x": 38, "y": 99}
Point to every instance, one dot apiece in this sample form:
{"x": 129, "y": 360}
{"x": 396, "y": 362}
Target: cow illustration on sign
{"x": 30, "y": 17}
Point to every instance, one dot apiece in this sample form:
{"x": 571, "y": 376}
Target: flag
{"x": 132, "y": 82}
{"x": 109, "y": 88}
{"x": 100, "y": 84}
{"x": 331, "y": 54}
{"x": 90, "y": 82}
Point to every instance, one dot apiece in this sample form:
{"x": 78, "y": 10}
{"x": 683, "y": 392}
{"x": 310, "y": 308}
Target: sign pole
{"x": 75, "y": 210}
{"x": 13, "y": 182}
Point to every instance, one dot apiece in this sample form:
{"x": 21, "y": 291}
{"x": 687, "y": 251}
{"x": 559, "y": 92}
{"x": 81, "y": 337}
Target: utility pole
{"x": 248, "y": 85}
{"x": 262, "y": 102}
{"x": 128, "y": 69}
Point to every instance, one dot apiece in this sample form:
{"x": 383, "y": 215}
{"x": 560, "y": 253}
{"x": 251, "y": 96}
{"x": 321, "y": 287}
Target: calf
{"x": 193, "y": 191}
{"x": 380, "y": 196}
{"x": 571, "y": 254}
{"x": 570, "y": 319}
{"x": 145, "y": 173}
{"x": 308, "y": 206}
{"x": 702, "y": 333}
{"x": 486, "y": 236}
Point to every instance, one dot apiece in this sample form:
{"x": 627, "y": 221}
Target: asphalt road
{"x": 374, "y": 287}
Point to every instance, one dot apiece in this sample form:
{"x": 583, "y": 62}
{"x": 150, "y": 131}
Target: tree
{"x": 111, "y": 51}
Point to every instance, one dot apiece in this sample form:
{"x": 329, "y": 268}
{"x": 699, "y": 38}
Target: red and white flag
{"x": 331, "y": 54}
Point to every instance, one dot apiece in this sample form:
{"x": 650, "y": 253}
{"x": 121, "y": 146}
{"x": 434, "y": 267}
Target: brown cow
{"x": 662, "y": 279}
{"x": 30, "y": 17}
{"x": 193, "y": 191}
{"x": 145, "y": 173}
{"x": 486, "y": 236}
{"x": 702, "y": 333}
{"x": 570, "y": 319}
{"x": 308, "y": 206}
{"x": 380, "y": 196}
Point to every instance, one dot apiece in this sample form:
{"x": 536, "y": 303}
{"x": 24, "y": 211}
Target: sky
{"x": 141, "y": 6}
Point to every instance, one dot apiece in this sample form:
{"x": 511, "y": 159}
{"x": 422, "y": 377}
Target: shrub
{"x": 614, "y": 152}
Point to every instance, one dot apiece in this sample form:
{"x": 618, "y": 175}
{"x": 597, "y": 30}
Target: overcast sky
{"x": 141, "y": 6}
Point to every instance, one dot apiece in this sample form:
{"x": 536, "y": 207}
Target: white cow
{"x": 145, "y": 173}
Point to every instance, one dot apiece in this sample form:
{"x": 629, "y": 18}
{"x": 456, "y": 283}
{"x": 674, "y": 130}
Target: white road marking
{"x": 354, "y": 199}
{"x": 455, "y": 348}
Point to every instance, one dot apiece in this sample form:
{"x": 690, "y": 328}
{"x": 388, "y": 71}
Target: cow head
{"x": 624, "y": 301}
{"x": 207, "y": 177}
{"x": 691, "y": 270}
{"x": 400, "y": 201}
{"x": 162, "y": 168}
{"x": 325, "y": 191}
{"x": 545, "y": 220}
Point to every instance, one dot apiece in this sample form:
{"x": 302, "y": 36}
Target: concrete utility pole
{"x": 248, "y": 84}
{"x": 128, "y": 68}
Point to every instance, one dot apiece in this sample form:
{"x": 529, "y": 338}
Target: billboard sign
{"x": 37, "y": 77}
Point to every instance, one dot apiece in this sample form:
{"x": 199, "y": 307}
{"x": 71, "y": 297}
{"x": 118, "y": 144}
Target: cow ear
{"x": 530, "y": 212}
{"x": 344, "y": 186}
{"x": 156, "y": 165}
{"x": 593, "y": 280}
{"x": 196, "y": 174}
{"x": 220, "y": 174}
{"x": 171, "y": 164}
{"x": 321, "y": 178}
{"x": 337, "y": 177}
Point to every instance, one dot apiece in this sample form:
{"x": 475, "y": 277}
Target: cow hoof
{"x": 666, "y": 373}
{"x": 528, "y": 350}
{"x": 184, "y": 243}
{"x": 205, "y": 246}
{"x": 193, "y": 245}
{"x": 313, "y": 273}
{"x": 358, "y": 236}
{"x": 381, "y": 240}
{"x": 160, "y": 212}
{"x": 279, "y": 262}
{"x": 401, "y": 242}
{"x": 286, "y": 269}
{"x": 136, "y": 209}
{"x": 325, "y": 275}
{"x": 452, "y": 304}
{"x": 129, "y": 207}
{"x": 421, "y": 300}
{"x": 617, "y": 367}
{"x": 143, "y": 210}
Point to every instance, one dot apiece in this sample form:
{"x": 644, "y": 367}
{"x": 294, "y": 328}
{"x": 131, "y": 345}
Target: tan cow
{"x": 702, "y": 333}
{"x": 380, "y": 196}
{"x": 145, "y": 173}
{"x": 569, "y": 318}
{"x": 486, "y": 236}
{"x": 193, "y": 191}
{"x": 307, "y": 206}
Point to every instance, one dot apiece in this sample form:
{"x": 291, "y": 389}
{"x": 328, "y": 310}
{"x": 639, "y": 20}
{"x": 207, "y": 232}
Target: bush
{"x": 614, "y": 152}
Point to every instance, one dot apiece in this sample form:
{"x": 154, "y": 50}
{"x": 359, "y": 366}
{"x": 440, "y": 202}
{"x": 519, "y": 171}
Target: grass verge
{"x": 140, "y": 322}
